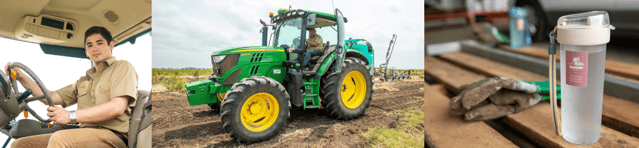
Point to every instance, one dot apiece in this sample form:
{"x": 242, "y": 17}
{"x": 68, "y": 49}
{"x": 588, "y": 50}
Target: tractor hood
{"x": 248, "y": 49}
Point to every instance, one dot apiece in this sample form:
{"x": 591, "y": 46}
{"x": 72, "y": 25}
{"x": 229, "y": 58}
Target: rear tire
{"x": 263, "y": 117}
{"x": 354, "y": 81}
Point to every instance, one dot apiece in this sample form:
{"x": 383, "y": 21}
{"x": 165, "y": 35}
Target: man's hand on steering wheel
{"x": 59, "y": 115}
{"x": 19, "y": 74}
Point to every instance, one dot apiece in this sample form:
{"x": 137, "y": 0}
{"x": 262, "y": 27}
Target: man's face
{"x": 312, "y": 31}
{"x": 97, "y": 48}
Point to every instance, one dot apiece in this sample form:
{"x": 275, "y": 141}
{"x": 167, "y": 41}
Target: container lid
{"x": 586, "y": 20}
{"x": 584, "y": 29}
{"x": 517, "y": 12}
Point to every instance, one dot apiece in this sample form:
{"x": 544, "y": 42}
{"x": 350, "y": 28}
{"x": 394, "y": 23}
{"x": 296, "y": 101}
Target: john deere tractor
{"x": 255, "y": 86}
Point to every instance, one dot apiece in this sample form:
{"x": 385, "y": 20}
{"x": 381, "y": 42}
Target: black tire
{"x": 236, "y": 97}
{"x": 331, "y": 99}
{"x": 537, "y": 19}
{"x": 214, "y": 106}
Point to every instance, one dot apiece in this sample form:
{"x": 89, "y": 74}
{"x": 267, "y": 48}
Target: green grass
{"x": 385, "y": 137}
{"x": 171, "y": 78}
{"x": 174, "y": 83}
{"x": 412, "y": 117}
{"x": 404, "y": 135}
{"x": 182, "y": 72}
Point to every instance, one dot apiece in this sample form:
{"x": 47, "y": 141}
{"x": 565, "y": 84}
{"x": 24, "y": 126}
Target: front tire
{"x": 255, "y": 109}
{"x": 348, "y": 93}
{"x": 214, "y": 106}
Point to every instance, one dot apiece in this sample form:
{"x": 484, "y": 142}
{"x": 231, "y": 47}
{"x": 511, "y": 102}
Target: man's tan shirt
{"x": 111, "y": 78}
{"x": 317, "y": 39}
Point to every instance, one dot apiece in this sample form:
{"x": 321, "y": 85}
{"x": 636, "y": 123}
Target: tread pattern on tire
{"x": 329, "y": 92}
{"x": 227, "y": 107}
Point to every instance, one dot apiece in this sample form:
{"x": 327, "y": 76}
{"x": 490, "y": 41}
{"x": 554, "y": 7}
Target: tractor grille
{"x": 257, "y": 57}
{"x": 254, "y": 69}
{"x": 222, "y": 63}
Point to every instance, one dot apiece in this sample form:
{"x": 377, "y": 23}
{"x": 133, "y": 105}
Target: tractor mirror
{"x": 263, "y": 23}
{"x": 310, "y": 21}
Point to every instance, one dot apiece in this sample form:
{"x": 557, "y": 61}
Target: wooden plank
{"x": 617, "y": 113}
{"x": 535, "y": 122}
{"x": 441, "y": 89}
{"x": 452, "y": 77}
{"x": 617, "y": 68}
{"x": 443, "y": 130}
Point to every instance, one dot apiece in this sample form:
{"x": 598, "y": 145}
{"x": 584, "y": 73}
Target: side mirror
{"x": 263, "y": 23}
{"x": 310, "y": 21}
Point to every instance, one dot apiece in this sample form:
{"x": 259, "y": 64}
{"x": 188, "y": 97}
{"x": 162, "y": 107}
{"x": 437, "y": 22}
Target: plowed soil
{"x": 178, "y": 124}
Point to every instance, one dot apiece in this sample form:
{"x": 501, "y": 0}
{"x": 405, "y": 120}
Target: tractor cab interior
{"x": 329, "y": 36}
{"x": 58, "y": 27}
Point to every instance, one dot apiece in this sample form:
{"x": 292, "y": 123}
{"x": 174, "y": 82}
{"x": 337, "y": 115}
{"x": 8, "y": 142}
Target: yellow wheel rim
{"x": 220, "y": 96}
{"x": 353, "y": 89}
{"x": 259, "y": 112}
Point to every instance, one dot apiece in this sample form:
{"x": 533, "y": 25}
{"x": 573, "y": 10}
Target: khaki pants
{"x": 81, "y": 137}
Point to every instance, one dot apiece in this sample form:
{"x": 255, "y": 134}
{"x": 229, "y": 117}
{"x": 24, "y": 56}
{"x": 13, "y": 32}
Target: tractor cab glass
{"x": 288, "y": 33}
{"x": 328, "y": 33}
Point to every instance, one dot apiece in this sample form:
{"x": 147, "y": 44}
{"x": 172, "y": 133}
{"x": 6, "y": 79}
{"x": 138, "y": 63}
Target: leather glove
{"x": 493, "y": 98}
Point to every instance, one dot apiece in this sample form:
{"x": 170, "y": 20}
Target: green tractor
{"x": 254, "y": 87}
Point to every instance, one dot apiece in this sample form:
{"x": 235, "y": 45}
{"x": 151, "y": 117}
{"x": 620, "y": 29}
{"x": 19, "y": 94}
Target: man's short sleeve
{"x": 124, "y": 82}
{"x": 69, "y": 93}
{"x": 320, "y": 45}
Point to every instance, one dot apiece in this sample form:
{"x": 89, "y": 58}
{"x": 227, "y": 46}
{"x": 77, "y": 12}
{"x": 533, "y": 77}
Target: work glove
{"x": 493, "y": 98}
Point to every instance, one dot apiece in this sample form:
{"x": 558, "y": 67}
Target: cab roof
{"x": 59, "y": 25}
{"x": 321, "y": 19}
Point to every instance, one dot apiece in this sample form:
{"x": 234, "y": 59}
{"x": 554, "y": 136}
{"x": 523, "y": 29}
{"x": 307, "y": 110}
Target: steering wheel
{"x": 25, "y": 100}
{"x": 296, "y": 42}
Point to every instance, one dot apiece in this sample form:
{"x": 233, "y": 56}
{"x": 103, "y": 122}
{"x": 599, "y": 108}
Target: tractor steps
{"x": 311, "y": 94}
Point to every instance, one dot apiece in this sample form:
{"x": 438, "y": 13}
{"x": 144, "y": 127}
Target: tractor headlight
{"x": 217, "y": 58}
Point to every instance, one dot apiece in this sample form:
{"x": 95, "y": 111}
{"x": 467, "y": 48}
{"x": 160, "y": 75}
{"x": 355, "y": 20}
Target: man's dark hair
{"x": 98, "y": 30}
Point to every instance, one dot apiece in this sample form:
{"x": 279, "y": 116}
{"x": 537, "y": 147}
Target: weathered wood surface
{"x": 535, "y": 122}
{"x": 618, "y": 114}
{"x": 443, "y": 130}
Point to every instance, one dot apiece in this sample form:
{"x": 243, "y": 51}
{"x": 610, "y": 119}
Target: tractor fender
{"x": 357, "y": 55}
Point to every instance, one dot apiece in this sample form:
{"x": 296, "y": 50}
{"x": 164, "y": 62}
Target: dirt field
{"x": 177, "y": 124}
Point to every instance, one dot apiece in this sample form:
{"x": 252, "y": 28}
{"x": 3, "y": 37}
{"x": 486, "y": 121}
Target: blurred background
{"x": 447, "y": 21}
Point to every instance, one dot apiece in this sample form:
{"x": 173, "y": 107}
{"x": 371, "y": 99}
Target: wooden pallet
{"x": 443, "y": 130}
{"x": 618, "y": 114}
{"x": 622, "y": 70}
{"x": 536, "y": 122}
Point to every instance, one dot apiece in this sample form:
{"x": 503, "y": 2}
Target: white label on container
{"x": 520, "y": 24}
{"x": 277, "y": 71}
{"x": 577, "y": 68}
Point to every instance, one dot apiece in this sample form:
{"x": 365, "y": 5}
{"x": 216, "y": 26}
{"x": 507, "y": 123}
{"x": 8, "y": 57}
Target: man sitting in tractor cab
{"x": 314, "y": 47}
{"x": 103, "y": 97}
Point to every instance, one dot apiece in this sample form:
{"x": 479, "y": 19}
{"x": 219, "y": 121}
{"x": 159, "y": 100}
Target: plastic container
{"x": 583, "y": 38}
{"x": 519, "y": 33}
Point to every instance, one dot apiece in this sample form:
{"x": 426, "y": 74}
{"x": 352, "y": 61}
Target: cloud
{"x": 186, "y": 33}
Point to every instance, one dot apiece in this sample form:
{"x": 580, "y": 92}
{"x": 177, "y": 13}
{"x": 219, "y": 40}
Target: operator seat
{"x": 140, "y": 122}
{"x": 314, "y": 59}
{"x": 328, "y": 49}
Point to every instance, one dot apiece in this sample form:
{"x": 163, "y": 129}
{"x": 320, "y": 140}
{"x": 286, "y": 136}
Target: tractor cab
{"x": 291, "y": 30}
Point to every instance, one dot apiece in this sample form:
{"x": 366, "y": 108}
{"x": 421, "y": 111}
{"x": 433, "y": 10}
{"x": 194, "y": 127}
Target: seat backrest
{"x": 140, "y": 123}
{"x": 325, "y": 47}
{"x": 328, "y": 49}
